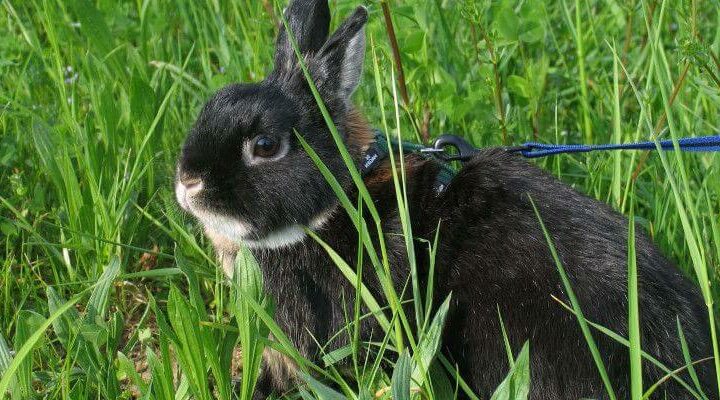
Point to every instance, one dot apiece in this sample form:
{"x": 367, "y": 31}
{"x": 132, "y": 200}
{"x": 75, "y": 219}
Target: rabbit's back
{"x": 495, "y": 258}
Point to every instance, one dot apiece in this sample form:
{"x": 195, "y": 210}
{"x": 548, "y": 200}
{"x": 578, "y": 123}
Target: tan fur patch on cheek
{"x": 282, "y": 370}
{"x": 225, "y": 251}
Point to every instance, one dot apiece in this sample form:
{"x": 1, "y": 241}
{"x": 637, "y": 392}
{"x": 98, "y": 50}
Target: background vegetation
{"x": 107, "y": 290}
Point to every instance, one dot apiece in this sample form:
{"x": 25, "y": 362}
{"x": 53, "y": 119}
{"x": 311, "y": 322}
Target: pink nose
{"x": 185, "y": 190}
{"x": 192, "y": 185}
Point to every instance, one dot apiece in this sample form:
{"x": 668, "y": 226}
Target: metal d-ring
{"x": 465, "y": 150}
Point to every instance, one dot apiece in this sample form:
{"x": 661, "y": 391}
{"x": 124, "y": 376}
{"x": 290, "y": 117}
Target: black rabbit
{"x": 246, "y": 178}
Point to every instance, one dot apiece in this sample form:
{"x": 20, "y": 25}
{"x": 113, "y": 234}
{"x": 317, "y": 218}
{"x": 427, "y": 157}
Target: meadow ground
{"x": 107, "y": 290}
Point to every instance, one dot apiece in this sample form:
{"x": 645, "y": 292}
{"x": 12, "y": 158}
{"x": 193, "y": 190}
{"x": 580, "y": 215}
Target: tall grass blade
{"x": 322, "y": 391}
{"x": 688, "y": 359}
{"x": 28, "y": 322}
{"x": 516, "y": 385}
{"x": 188, "y": 347}
{"x": 5, "y": 361}
{"x": 506, "y": 341}
{"x": 98, "y": 302}
{"x": 636, "y": 385}
{"x": 576, "y": 306}
{"x": 248, "y": 282}
{"x": 401, "y": 377}
{"x": 429, "y": 344}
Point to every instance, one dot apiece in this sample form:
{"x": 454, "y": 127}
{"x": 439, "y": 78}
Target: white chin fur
{"x": 278, "y": 239}
{"x": 229, "y": 228}
{"x": 237, "y": 231}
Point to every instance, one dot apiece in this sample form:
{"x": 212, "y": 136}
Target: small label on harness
{"x": 372, "y": 157}
{"x": 369, "y": 160}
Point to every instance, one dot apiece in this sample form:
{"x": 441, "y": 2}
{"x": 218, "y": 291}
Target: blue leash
{"x": 702, "y": 143}
{"x": 536, "y": 150}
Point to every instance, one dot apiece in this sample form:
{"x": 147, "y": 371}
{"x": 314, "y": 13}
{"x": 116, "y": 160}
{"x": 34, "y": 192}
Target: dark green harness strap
{"x": 380, "y": 149}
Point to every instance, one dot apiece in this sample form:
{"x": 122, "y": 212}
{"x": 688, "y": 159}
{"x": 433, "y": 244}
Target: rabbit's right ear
{"x": 309, "y": 21}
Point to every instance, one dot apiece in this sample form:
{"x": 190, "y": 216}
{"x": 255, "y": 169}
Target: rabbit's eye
{"x": 266, "y": 147}
{"x": 263, "y": 148}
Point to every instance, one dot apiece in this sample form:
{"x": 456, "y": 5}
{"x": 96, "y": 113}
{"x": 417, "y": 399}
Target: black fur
{"x": 492, "y": 252}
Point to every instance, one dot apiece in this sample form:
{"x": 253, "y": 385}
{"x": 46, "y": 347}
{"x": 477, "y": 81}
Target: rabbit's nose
{"x": 185, "y": 189}
{"x": 192, "y": 185}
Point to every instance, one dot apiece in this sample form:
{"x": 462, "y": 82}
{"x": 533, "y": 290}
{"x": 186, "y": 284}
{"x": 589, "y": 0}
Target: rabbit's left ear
{"x": 338, "y": 65}
{"x": 309, "y": 21}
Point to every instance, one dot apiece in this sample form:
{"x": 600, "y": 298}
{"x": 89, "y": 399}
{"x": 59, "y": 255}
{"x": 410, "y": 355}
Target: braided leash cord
{"x": 702, "y": 143}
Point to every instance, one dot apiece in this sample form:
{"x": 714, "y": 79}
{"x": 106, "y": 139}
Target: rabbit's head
{"x": 242, "y": 171}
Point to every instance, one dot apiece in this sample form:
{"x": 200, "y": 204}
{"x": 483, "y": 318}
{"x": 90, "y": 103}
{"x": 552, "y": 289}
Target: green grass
{"x": 100, "y": 272}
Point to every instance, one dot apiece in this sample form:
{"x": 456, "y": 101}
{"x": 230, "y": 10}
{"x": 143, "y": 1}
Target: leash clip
{"x": 465, "y": 150}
